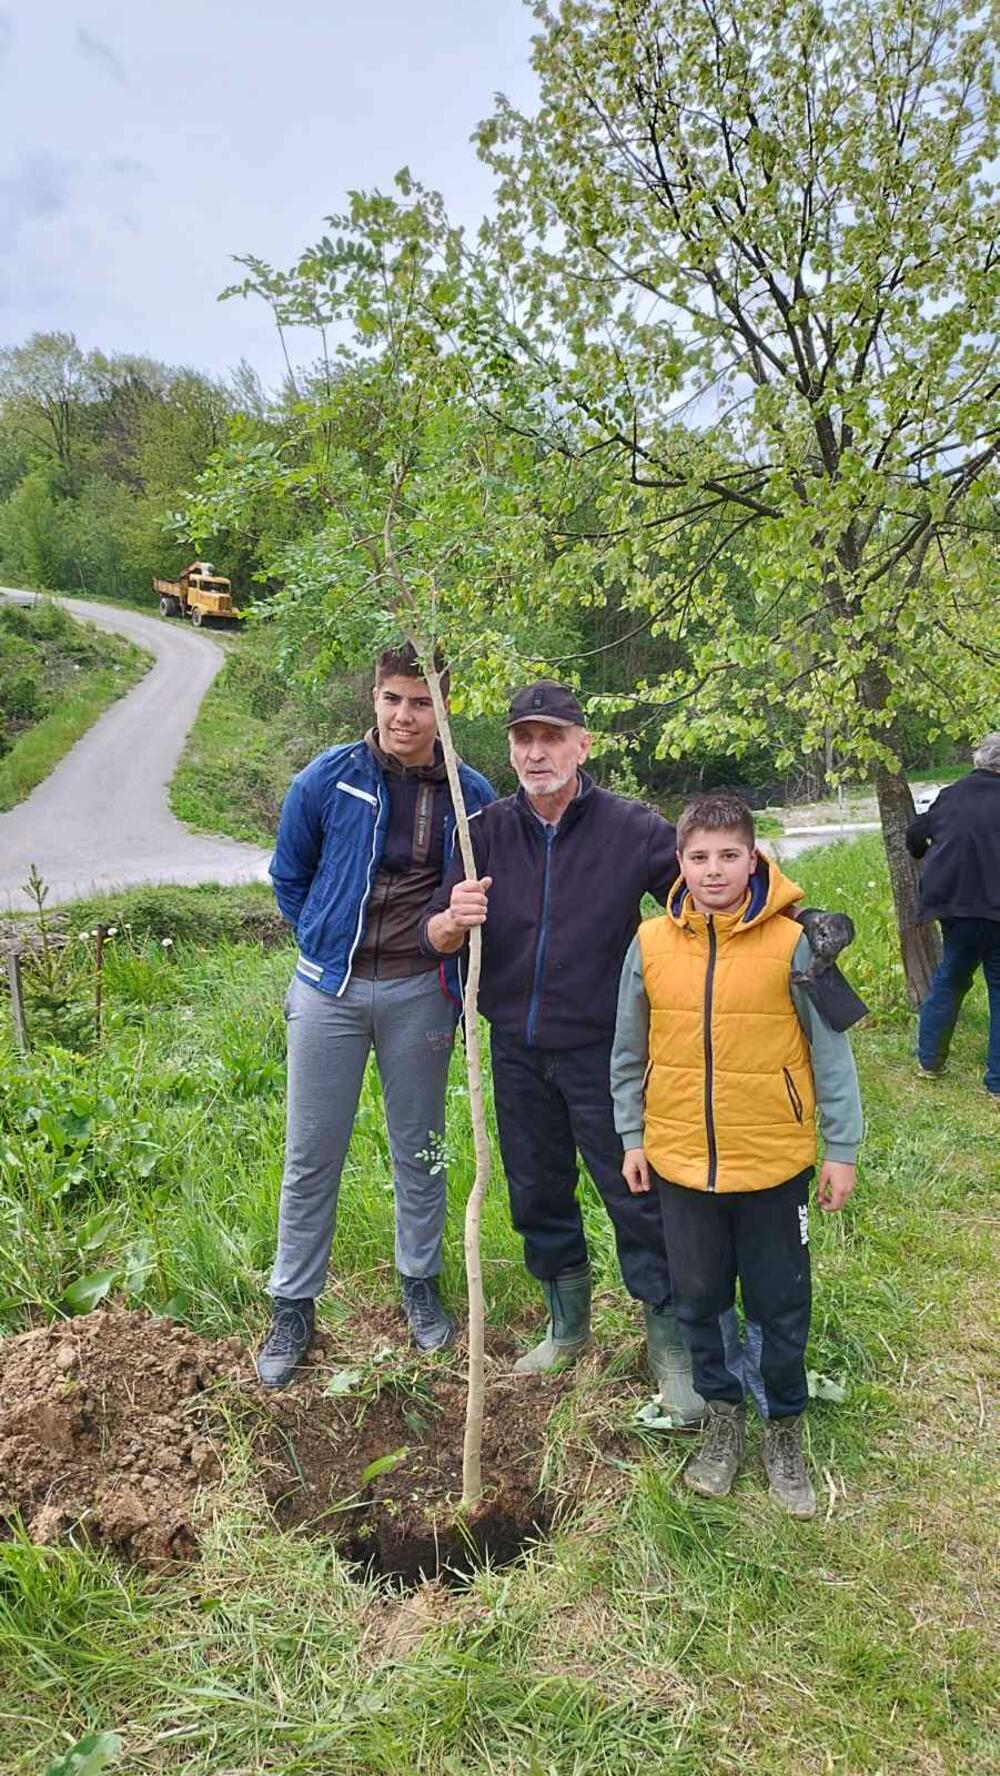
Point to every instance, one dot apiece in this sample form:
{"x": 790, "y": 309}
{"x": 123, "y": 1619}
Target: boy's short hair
{"x": 403, "y": 661}
{"x": 718, "y": 812}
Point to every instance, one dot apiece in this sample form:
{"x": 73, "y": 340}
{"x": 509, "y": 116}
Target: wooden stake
{"x": 17, "y": 1001}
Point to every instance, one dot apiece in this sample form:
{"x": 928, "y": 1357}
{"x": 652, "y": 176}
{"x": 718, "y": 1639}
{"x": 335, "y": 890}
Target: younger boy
{"x": 719, "y": 1064}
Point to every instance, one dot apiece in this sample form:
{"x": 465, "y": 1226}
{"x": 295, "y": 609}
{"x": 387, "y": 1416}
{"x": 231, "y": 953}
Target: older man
{"x": 960, "y": 885}
{"x": 563, "y": 867}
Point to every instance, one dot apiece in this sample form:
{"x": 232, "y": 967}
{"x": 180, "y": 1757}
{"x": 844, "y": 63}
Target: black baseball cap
{"x": 546, "y": 702}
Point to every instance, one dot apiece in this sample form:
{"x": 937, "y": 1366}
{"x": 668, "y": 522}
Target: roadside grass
{"x": 652, "y": 1631}
{"x": 74, "y": 674}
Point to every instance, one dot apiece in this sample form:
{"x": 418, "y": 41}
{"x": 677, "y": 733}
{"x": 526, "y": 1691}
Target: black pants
{"x": 549, "y": 1103}
{"x": 761, "y": 1237}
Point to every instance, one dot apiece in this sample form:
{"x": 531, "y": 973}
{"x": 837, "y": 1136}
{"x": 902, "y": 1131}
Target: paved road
{"x": 101, "y": 820}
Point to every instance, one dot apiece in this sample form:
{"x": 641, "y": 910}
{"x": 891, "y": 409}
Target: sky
{"x": 143, "y": 144}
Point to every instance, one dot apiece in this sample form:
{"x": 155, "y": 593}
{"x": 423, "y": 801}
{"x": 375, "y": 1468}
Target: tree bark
{"x": 919, "y": 944}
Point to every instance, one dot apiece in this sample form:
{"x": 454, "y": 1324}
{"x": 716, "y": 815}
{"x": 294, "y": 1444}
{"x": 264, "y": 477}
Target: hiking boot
{"x": 785, "y": 1466}
{"x": 713, "y": 1468}
{"x": 670, "y": 1367}
{"x": 431, "y": 1327}
{"x": 567, "y": 1336}
{"x": 289, "y": 1337}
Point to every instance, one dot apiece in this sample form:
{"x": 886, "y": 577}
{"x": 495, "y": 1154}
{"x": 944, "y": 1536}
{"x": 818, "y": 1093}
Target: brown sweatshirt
{"x": 410, "y": 870}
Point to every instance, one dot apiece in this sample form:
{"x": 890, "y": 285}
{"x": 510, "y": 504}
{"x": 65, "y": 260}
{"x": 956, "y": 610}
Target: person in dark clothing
{"x": 565, "y": 865}
{"x": 366, "y": 832}
{"x": 960, "y": 885}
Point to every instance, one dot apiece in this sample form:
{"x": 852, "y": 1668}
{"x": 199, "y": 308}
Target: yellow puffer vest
{"x": 730, "y": 1102}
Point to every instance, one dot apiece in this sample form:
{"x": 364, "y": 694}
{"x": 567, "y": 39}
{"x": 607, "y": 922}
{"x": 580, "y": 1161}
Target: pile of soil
{"x": 105, "y": 1427}
{"x": 115, "y": 1425}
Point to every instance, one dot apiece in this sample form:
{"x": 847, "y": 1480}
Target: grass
{"x": 77, "y": 673}
{"x": 653, "y": 1632}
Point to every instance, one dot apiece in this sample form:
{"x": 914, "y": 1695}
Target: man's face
{"x": 717, "y": 867}
{"x": 405, "y": 719}
{"x": 546, "y": 756}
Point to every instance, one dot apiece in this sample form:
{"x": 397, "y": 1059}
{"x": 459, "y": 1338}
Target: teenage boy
{"x": 366, "y": 833}
{"x": 720, "y": 1062}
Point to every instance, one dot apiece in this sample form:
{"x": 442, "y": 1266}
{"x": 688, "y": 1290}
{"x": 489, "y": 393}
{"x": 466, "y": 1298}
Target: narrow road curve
{"x": 101, "y": 820}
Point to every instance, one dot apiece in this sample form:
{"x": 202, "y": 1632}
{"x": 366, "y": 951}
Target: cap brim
{"x": 551, "y": 721}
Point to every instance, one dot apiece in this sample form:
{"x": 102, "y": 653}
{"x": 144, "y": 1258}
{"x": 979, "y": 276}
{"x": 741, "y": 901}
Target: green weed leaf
{"x": 88, "y": 1291}
{"x": 88, "y": 1757}
{"x": 384, "y": 1464}
{"x": 342, "y": 1381}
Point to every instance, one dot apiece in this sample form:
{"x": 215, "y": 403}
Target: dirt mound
{"x": 106, "y": 1424}
{"x": 116, "y": 1424}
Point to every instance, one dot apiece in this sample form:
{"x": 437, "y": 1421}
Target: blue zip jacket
{"x": 330, "y": 841}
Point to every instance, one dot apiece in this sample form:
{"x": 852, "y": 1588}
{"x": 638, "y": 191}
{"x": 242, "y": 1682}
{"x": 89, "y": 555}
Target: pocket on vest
{"x": 793, "y": 1096}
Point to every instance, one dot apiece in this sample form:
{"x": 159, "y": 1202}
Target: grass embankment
{"x": 56, "y": 677}
{"x": 653, "y": 1631}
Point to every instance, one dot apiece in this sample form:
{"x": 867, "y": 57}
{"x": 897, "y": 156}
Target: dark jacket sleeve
{"x": 919, "y": 835}
{"x": 298, "y": 846}
{"x": 662, "y": 856}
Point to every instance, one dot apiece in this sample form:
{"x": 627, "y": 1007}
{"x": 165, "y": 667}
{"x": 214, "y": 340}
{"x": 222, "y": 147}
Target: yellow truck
{"x": 199, "y": 593}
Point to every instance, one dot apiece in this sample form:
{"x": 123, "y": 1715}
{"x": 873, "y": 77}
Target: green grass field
{"x": 72, "y": 673}
{"x": 653, "y": 1632}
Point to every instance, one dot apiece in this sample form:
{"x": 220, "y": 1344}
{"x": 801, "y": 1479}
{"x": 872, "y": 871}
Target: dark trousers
{"x": 760, "y": 1237}
{"x": 549, "y": 1104}
{"x": 967, "y": 945}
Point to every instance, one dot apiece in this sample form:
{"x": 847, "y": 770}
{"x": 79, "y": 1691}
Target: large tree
{"x": 750, "y": 254}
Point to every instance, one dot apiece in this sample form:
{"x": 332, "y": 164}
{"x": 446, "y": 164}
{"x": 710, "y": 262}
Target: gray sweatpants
{"x": 411, "y": 1025}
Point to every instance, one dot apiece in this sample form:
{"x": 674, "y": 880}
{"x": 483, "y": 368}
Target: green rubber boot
{"x": 670, "y": 1367}
{"x": 567, "y": 1298}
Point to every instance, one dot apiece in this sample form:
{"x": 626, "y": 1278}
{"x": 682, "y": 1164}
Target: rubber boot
{"x": 568, "y": 1334}
{"x": 670, "y": 1367}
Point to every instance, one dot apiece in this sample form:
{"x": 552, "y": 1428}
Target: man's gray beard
{"x": 550, "y": 789}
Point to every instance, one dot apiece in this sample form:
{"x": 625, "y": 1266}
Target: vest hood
{"x": 768, "y": 894}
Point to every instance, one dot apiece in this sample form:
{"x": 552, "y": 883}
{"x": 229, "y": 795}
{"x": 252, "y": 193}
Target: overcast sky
{"x": 141, "y": 144}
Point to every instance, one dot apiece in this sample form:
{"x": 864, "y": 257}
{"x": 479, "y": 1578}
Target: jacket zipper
{"x": 713, "y": 1156}
{"x": 543, "y": 933}
{"x": 365, "y": 897}
{"x": 793, "y": 1096}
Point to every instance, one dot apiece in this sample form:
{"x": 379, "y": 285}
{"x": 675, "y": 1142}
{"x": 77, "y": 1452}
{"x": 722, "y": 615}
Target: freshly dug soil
{"x": 115, "y": 1424}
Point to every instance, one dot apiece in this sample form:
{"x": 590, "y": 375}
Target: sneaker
{"x": 432, "y": 1329}
{"x": 713, "y": 1468}
{"x": 289, "y": 1337}
{"x": 935, "y": 1072}
{"x": 785, "y": 1466}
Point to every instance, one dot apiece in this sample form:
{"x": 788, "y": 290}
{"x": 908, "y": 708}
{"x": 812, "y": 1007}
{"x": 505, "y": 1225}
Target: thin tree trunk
{"x": 472, "y": 1479}
{"x": 920, "y": 944}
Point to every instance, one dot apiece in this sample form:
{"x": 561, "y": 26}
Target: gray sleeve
{"x": 838, "y": 1096}
{"x": 630, "y": 1053}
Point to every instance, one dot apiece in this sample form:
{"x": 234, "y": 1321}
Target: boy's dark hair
{"x": 403, "y": 661}
{"x": 719, "y": 812}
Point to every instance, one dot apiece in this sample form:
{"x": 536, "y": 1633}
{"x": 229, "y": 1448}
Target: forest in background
{"x": 98, "y": 455}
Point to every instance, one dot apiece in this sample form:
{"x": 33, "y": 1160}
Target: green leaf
{"x": 383, "y": 1464}
{"x": 88, "y": 1291}
{"x": 342, "y": 1381}
{"x": 88, "y": 1757}
{"x": 822, "y": 1388}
